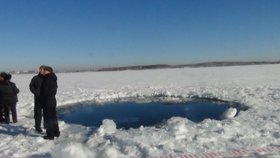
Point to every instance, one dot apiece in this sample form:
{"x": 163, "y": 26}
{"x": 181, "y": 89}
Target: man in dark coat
{"x": 6, "y": 96}
{"x": 2, "y": 119}
{"x": 47, "y": 97}
{"x": 13, "y": 97}
{"x": 35, "y": 87}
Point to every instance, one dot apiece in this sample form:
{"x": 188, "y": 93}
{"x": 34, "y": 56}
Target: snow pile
{"x": 110, "y": 152}
{"x": 177, "y": 127}
{"x": 71, "y": 150}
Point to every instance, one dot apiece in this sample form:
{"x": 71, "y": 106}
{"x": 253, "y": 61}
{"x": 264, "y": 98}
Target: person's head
{"x": 2, "y": 76}
{"x": 41, "y": 69}
{"x": 8, "y": 77}
{"x": 48, "y": 70}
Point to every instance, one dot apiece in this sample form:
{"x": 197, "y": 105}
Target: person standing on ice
{"x": 13, "y": 97}
{"x": 48, "y": 100}
{"x": 6, "y": 96}
{"x": 2, "y": 119}
{"x": 35, "y": 87}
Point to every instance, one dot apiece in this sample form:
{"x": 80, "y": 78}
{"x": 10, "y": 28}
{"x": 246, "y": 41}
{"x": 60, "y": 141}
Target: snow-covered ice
{"x": 255, "y": 86}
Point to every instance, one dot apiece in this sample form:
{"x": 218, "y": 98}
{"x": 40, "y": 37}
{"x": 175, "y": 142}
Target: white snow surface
{"x": 255, "y": 86}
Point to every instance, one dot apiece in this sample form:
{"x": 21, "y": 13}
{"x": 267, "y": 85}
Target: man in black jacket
{"x": 35, "y": 87}
{"x": 2, "y": 119}
{"x": 6, "y": 96}
{"x": 13, "y": 97}
{"x": 48, "y": 100}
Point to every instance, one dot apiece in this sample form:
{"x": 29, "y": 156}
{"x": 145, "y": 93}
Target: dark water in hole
{"x": 131, "y": 114}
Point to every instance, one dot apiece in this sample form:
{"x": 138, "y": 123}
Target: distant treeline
{"x": 164, "y": 66}
{"x": 205, "y": 64}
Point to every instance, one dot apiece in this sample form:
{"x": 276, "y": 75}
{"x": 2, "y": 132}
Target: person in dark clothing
{"x": 14, "y": 98}
{"x": 47, "y": 93}
{"x": 2, "y": 119}
{"x": 6, "y": 96}
{"x": 35, "y": 87}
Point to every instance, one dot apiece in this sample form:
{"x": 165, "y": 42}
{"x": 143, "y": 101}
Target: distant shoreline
{"x": 164, "y": 66}
{"x": 204, "y": 64}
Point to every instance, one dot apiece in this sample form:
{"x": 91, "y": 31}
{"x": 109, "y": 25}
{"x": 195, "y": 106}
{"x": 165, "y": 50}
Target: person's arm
{"x": 14, "y": 87}
{"x": 53, "y": 87}
{"x": 34, "y": 87}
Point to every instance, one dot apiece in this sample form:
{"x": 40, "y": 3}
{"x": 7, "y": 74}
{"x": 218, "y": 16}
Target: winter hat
{"x": 48, "y": 68}
{"x": 3, "y": 74}
{"x": 42, "y": 66}
{"x": 8, "y": 77}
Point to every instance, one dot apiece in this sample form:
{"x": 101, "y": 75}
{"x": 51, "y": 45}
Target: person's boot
{"x": 48, "y": 137}
{"x": 15, "y": 120}
{"x": 39, "y": 130}
{"x": 2, "y": 120}
{"x": 57, "y": 134}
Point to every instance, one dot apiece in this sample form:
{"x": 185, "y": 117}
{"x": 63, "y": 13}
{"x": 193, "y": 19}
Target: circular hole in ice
{"x": 133, "y": 115}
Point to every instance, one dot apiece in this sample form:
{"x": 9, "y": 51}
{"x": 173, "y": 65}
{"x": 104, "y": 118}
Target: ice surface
{"x": 255, "y": 86}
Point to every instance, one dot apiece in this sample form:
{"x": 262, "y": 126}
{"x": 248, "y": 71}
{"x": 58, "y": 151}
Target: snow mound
{"x": 177, "y": 126}
{"x": 111, "y": 152}
{"x": 108, "y": 127}
{"x": 229, "y": 113}
{"x": 71, "y": 150}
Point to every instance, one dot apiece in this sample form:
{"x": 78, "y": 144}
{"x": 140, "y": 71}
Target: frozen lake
{"x": 254, "y": 132}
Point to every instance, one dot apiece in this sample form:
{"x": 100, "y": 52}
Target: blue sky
{"x": 69, "y": 34}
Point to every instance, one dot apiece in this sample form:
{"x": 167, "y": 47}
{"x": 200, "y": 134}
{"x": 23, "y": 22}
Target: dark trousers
{"x": 13, "y": 107}
{"x": 38, "y": 113}
{"x": 51, "y": 122}
{"x": 6, "y": 108}
{"x": 1, "y": 113}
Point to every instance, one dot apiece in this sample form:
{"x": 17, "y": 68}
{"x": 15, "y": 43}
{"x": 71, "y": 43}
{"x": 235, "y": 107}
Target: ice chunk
{"x": 229, "y": 113}
{"x": 108, "y": 127}
{"x": 177, "y": 126}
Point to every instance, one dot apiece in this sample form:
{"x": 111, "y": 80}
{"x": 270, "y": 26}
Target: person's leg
{"x": 38, "y": 116}
{"x": 55, "y": 124}
{"x": 48, "y": 122}
{"x": 51, "y": 117}
{"x": 7, "y": 113}
{"x": 51, "y": 120}
{"x": 1, "y": 113}
{"x": 14, "y": 112}
{"x": 44, "y": 118}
